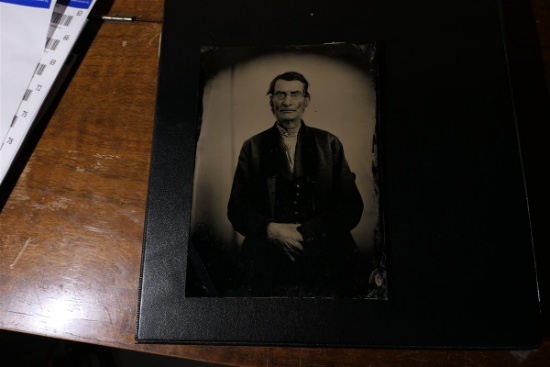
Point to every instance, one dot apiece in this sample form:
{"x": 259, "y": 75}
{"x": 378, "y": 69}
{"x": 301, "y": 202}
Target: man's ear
{"x": 306, "y": 101}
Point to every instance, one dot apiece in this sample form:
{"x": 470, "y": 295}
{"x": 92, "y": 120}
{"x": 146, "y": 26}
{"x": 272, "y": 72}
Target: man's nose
{"x": 287, "y": 100}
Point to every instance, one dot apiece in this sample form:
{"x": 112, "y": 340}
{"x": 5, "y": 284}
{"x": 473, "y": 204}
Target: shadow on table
{"x": 17, "y": 349}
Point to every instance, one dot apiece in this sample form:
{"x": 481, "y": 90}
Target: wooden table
{"x": 71, "y": 230}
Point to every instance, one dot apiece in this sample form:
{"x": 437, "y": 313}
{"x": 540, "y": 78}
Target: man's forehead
{"x": 288, "y": 85}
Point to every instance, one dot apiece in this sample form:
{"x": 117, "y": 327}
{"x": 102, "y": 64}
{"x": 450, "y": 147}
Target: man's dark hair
{"x": 289, "y": 76}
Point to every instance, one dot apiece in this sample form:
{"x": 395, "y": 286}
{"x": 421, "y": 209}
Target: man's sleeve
{"x": 345, "y": 206}
{"x": 241, "y": 211}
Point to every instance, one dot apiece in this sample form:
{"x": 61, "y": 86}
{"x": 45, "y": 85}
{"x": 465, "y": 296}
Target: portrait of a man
{"x": 292, "y": 203}
{"x": 295, "y": 200}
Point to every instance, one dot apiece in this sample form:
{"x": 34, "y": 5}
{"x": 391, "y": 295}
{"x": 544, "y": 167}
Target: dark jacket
{"x": 336, "y": 205}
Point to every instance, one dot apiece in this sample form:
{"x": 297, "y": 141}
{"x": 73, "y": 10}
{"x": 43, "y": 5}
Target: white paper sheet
{"x": 24, "y": 26}
{"x": 67, "y": 20}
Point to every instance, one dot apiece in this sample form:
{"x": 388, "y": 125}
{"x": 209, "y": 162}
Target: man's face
{"x": 288, "y": 101}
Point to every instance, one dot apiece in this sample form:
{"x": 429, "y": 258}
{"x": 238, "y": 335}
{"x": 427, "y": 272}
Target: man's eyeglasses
{"x": 282, "y": 95}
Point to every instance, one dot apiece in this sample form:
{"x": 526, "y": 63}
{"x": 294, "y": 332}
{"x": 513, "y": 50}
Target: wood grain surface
{"x": 71, "y": 230}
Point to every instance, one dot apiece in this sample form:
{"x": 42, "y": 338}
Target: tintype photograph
{"x": 286, "y": 199}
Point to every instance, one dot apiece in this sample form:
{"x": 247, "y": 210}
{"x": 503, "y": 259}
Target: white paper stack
{"x": 36, "y": 38}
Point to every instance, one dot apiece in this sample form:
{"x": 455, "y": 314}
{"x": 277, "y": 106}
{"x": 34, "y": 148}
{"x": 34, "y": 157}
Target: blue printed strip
{"x": 34, "y": 3}
{"x": 81, "y": 4}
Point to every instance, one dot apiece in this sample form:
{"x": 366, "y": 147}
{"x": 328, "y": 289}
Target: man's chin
{"x": 286, "y": 118}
